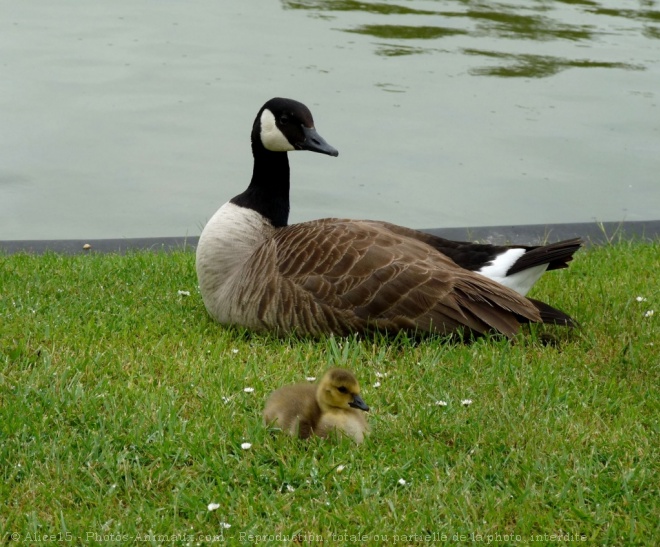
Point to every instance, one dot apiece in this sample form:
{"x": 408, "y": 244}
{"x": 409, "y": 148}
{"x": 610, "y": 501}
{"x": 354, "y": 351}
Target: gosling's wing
{"x": 293, "y": 409}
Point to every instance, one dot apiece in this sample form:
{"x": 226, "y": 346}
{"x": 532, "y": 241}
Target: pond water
{"x": 131, "y": 118}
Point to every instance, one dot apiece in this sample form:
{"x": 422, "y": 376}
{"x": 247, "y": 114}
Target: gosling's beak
{"x": 358, "y": 403}
{"x": 316, "y": 143}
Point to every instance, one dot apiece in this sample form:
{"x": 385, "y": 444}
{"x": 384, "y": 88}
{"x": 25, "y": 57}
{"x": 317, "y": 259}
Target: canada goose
{"x": 337, "y": 275}
{"x": 305, "y": 409}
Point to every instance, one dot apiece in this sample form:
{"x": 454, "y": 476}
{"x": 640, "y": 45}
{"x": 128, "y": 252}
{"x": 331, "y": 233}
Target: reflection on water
{"x": 352, "y": 5}
{"x": 131, "y": 118}
{"x": 591, "y": 21}
{"x": 506, "y": 24}
{"x": 402, "y": 32}
{"x": 536, "y": 66}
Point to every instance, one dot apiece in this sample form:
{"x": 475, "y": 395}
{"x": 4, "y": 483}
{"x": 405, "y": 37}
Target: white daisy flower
{"x": 377, "y": 384}
{"x": 246, "y": 446}
{"x": 466, "y": 402}
{"x": 441, "y": 403}
{"x": 213, "y": 506}
{"x": 248, "y": 389}
{"x": 340, "y": 468}
{"x": 649, "y": 313}
{"x": 183, "y": 293}
{"x": 234, "y": 351}
{"x": 640, "y": 299}
{"x": 225, "y": 525}
{"x": 310, "y": 378}
{"x": 402, "y": 482}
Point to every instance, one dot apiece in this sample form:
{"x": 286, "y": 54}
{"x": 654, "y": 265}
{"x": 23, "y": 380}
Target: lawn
{"x": 127, "y": 415}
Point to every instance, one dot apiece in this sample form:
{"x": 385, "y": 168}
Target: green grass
{"x": 123, "y": 412}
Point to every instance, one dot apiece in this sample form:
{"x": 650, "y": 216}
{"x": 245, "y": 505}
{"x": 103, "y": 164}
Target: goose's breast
{"x": 227, "y": 244}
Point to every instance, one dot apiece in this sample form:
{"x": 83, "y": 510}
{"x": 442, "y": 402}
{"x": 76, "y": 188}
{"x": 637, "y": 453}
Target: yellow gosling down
{"x": 304, "y": 410}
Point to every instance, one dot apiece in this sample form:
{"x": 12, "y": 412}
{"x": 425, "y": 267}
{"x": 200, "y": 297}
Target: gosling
{"x": 335, "y": 404}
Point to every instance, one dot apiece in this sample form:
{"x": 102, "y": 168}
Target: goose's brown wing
{"x": 340, "y": 276}
{"x": 472, "y": 255}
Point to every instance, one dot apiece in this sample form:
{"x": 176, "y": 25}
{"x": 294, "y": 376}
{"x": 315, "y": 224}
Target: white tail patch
{"x": 522, "y": 281}
{"x": 271, "y": 136}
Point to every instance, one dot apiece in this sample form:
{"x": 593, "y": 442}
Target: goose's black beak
{"x": 316, "y": 143}
{"x": 358, "y": 403}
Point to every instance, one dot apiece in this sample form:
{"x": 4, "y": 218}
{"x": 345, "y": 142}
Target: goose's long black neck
{"x": 268, "y": 192}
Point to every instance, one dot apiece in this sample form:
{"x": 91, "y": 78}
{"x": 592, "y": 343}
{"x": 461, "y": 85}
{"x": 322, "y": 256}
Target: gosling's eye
{"x": 342, "y": 389}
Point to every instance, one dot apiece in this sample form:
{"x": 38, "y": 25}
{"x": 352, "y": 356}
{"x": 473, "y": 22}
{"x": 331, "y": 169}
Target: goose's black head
{"x": 284, "y": 125}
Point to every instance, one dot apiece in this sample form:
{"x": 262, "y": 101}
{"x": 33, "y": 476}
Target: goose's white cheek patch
{"x": 271, "y": 137}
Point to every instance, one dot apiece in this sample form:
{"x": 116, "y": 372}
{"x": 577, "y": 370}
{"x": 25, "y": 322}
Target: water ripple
{"x": 491, "y": 27}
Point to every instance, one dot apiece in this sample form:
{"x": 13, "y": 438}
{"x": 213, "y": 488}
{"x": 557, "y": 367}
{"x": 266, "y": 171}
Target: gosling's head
{"x": 339, "y": 389}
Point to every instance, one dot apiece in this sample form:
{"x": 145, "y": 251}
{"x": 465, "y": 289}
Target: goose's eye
{"x": 342, "y": 389}
{"x": 284, "y": 119}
